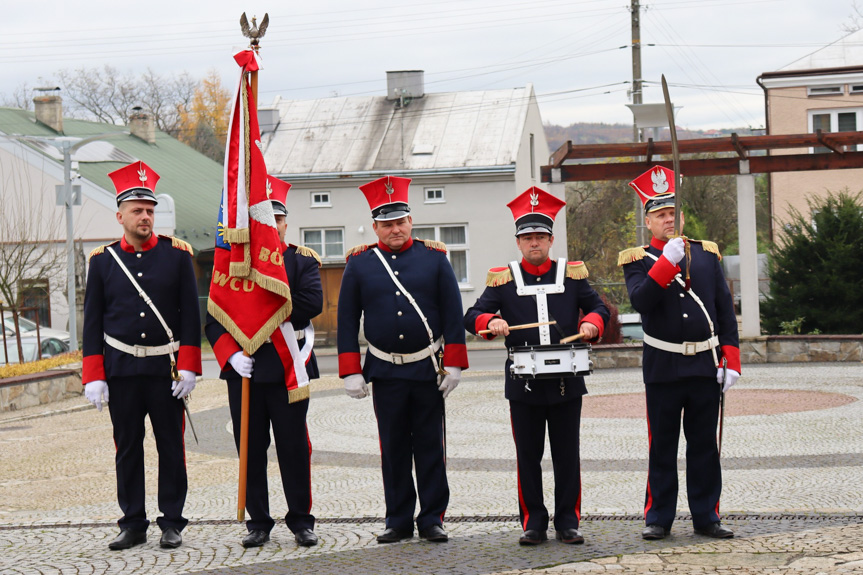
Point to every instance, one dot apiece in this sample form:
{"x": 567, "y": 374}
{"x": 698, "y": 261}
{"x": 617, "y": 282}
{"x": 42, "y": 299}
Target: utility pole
{"x": 66, "y": 148}
{"x": 635, "y": 14}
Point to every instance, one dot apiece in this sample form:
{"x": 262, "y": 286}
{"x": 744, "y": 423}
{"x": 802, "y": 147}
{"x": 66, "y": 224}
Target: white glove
{"x": 450, "y": 381}
{"x": 730, "y": 379}
{"x": 242, "y": 364}
{"x": 673, "y": 250}
{"x": 355, "y": 386}
{"x": 186, "y": 384}
{"x": 94, "y": 392}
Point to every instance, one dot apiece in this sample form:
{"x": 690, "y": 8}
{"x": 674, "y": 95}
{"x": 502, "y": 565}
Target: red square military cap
{"x": 655, "y": 188}
{"x": 277, "y": 191}
{"x": 137, "y": 181}
{"x": 388, "y": 197}
{"x": 534, "y": 211}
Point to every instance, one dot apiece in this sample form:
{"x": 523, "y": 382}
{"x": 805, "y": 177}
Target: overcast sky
{"x": 575, "y": 52}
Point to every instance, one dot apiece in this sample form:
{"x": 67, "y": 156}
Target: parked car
{"x": 28, "y": 327}
{"x": 50, "y": 346}
{"x": 630, "y": 327}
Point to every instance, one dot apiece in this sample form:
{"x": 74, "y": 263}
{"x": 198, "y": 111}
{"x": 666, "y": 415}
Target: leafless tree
{"x": 28, "y": 224}
{"x": 107, "y": 95}
{"x": 855, "y": 19}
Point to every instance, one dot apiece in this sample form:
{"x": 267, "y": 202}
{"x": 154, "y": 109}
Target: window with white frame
{"x": 825, "y": 90}
{"x": 320, "y": 199}
{"x": 455, "y": 238}
{"x": 328, "y": 242}
{"x": 840, "y": 120}
{"x": 434, "y": 195}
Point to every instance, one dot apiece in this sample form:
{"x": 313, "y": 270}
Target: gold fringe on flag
{"x": 249, "y": 345}
{"x": 244, "y": 268}
{"x": 299, "y": 394}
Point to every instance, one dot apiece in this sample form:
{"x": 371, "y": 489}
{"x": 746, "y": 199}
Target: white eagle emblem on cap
{"x": 389, "y": 188}
{"x": 660, "y": 184}
{"x": 142, "y": 175}
{"x": 534, "y": 201}
{"x": 269, "y": 189}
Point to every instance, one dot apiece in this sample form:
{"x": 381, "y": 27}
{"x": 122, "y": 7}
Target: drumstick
{"x": 572, "y": 338}
{"x": 522, "y": 326}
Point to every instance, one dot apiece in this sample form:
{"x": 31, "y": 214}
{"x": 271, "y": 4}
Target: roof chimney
{"x": 49, "y": 107}
{"x": 141, "y": 125}
{"x": 406, "y": 84}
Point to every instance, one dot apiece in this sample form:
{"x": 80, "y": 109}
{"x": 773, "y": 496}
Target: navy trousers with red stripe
{"x": 410, "y": 418}
{"x": 132, "y": 399}
{"x": 528, "y": 429}
{"x": 268, "y": 403}
{"x": 698, "y": 400}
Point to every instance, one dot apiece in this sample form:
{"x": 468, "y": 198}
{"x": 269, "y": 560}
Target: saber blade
{"x": 189, "y": 417}
{"x": 675, "y": 154}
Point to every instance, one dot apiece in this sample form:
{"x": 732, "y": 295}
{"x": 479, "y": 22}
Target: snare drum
{"x": 550, "y": 361}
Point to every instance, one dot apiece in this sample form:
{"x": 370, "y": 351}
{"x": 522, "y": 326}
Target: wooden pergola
{"x": 741, "y": 156}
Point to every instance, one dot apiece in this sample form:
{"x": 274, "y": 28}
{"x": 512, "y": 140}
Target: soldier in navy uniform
{"x": 146, "y": 365}
{"x": 535, "y": 404}
{"x": 407, "y": 346}
{"x": 687, "y": 333}
{"x": 270, "y": 400}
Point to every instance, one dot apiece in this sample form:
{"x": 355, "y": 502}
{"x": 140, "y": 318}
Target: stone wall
{"x": 39, "y": 388}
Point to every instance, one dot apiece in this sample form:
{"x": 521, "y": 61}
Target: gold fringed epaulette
{"x": 309, "y": 253}
{"x": 97, "y": 251}
{"x": 711, "y": 247}
{"x": 433, "y": 245}
{"x": 576, "y": 270}
{"x": 358, "y": 250}
{"x": 630, "y": 255}
{"x": 180, "y": 244}
{"x": 498, "y": 277}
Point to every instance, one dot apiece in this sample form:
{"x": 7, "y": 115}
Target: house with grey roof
{"x": 467, "y": 154}
{"x": 31, "y": 167}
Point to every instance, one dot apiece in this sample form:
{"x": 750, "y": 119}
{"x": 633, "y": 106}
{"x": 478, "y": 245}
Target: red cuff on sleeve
{"x": 349, "y": 364}
{"x": 225, "y": 347}
{"x": 189, "y": 358}
{"x": 663, "y": 272}
{"x": 455, "y": 355}
{"x": 596, "y": 320}
{"x": 481, "y": 323}
{"x": 733, "y": 355}
{"x": 93, "y": 369}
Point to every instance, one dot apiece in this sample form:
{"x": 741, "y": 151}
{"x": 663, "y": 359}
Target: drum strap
{"x": 539, "y": 294}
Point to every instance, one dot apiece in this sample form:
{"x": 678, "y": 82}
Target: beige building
{"x": 467, "y": 154}
{"x": 821, "y": 91}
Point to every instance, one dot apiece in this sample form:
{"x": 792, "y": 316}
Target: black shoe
{"x": 256, "y": 538}
{"x": 128, "y": 539}
{"x": 653, "y": 532}
{"x": 434, "y": 533}
{"x": 570, "y": 536}
{"x": 532, "y": 537}
{"x": 171, "y": 538}
{"x": 306, "y": 538}
{"x": 716, "y": 530}
{"x": 391, "y": 535}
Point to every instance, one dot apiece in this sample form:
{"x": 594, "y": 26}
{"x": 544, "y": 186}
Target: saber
{"x": 675, "y": 162}
{"x": 722, "y": 400}
{"x": 189, "y": 417}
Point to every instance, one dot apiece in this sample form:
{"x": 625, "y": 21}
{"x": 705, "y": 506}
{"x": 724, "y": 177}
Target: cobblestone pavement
{"x": 793, "y": 487}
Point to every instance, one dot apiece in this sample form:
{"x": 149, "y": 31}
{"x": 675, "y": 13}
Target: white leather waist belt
{"x": 298, "y": 333}
{"x": 143, "y": 350}
{"x": 685, "y": 348}
{"x": 402, "y": 358}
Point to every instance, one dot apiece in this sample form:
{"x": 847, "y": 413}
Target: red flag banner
{"x": 249, "y": 293}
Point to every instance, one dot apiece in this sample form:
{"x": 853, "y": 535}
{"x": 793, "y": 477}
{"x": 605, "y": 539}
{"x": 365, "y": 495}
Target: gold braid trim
{"x": 576, "y": 271}
{"x": 359, "y": 249}
{"x": 710, "y": 247}
{"x": 498, "y": 277}
{"x": 299, "y": 394}
{"x": 237, "y": 235}
{"x": 630, "y": 255}
{"x": 433, "y": 245}
{"x": 309, "y": 253}
{"x": 249, "y": 345}
{"x": 180, "y": 244}
{"x": 241, "y": 269}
